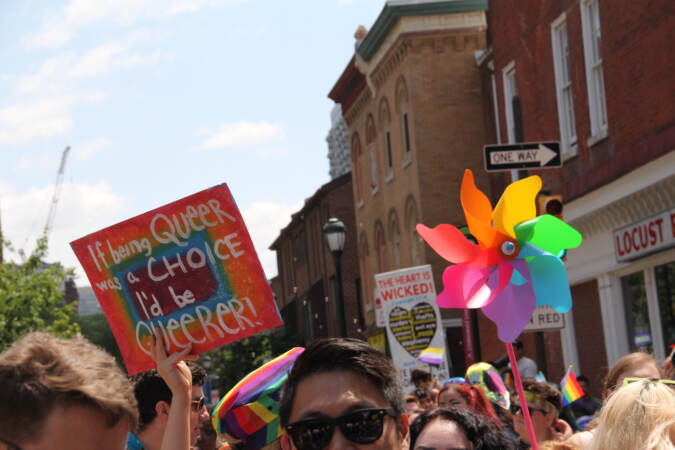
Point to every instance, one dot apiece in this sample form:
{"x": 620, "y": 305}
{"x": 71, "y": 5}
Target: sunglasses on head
{"x": 197, "y": 405}
{"x": 516, "y": 409}
{"x": 364, "y": 426}
{"x": 629, "y": 380}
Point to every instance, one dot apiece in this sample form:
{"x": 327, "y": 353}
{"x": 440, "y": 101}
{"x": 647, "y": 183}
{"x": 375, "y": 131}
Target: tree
{"x": 31, "y": 298}
{"x": 96, "y": 329}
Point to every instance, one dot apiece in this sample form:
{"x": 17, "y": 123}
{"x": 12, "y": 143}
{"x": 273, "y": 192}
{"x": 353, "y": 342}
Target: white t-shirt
{"x": 527, "y": 367}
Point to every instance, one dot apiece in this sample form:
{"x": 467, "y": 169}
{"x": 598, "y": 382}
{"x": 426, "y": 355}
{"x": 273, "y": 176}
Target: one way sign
{"x": 530, "y": 155}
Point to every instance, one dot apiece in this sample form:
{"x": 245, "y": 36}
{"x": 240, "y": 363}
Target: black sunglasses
{"x": 364, "y": 426}
{"x": 197, "y": 405}
{"x": 516, "y": 409}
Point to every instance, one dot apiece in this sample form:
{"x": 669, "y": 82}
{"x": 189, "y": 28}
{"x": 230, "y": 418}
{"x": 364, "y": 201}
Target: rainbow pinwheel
{"x": 516, "y": 264}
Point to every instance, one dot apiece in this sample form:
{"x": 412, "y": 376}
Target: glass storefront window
{"x": 637, "y": 312}
{"x": 665, "y": 290}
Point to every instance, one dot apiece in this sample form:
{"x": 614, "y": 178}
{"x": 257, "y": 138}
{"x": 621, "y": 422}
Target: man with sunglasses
{"x": 154, "y": 397}
{"x": 342, "y": 393}
{"x": 544, "y": 404}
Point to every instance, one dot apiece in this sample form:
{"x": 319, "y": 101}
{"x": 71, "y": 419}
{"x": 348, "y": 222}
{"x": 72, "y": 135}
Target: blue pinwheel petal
{"x": 550, "y": 283}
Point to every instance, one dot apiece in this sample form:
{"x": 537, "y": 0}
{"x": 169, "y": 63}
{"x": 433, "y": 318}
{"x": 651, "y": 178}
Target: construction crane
{"x": 54, "y": 202}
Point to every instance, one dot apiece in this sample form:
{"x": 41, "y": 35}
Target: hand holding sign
{"x": 187, "y": 270}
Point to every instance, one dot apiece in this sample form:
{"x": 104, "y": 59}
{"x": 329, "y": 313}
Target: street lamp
{"x": 334, "y": 230}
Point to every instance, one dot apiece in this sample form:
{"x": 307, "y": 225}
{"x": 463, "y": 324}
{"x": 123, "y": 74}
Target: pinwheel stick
{"x": 521, "y": 396}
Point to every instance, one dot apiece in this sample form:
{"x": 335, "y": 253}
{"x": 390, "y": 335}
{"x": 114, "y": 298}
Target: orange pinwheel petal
{"x": 448, "y": 242}
{"x": 477, "y": 210}
{"x": 516, "y": 205}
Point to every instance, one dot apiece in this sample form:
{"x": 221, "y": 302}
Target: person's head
{"x": 637, "y": 364}
{"x": 584, "y": 383}
{"x": 443, "y": 428}
{"x": 467, "y": 396}
{"x": 421, "y": 378}
{"x": 518, "y": 348}
{"x": 411, "y": 404}
{"x": 154, "y": 401}
{"x": 425, "y": 398}
{"x": 544, "y": 404}
{"x": 342, "y": 392}
{"x": 639, "y": 415}
{"x": 63, "y": 393}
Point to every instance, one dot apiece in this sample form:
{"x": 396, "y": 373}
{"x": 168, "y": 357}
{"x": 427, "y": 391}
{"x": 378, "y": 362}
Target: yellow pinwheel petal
{"x": 517, "y": 204}
{"x": 477, "y": 211}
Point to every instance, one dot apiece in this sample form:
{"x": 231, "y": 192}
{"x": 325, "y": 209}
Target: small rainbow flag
{"x": 570, "y": 388}
{"x": 432, "y": 355}
{"x": 250, "y": 411}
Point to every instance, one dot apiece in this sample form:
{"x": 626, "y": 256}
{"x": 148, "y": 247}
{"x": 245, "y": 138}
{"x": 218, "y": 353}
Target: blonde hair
{"x": 40, "y": 372}
{"x": 556, "y": 445}
{"x": 639, "y": 416}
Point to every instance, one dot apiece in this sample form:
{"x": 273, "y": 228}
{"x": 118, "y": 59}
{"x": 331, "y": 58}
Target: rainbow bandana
{"x": 486, "y": 376}
{"x": 250, "y": 411}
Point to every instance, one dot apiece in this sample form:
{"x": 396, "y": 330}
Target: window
{"x": 590, "y": 24}
{"x": 510, "y": 91}
{"x": 381, "y": 247}
{"x": 406, "y": 135}
{"x": 395, "y": 240}
{"x": 371, "y": 149}
{"x": 356, "y": 156}
{"x": 387, "y": 146}
{"x": 563, "y": 84}
{"x": 665, "y": 291}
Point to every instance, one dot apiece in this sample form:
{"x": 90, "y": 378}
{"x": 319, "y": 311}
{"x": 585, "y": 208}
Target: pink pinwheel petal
{"x": 466, "y": 287}
{"x": 448, "y": 242}
{"x": 512, "y": 309}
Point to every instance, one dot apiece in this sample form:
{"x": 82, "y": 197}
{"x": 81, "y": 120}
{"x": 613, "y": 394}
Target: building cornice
{"x": 395, "y": 10}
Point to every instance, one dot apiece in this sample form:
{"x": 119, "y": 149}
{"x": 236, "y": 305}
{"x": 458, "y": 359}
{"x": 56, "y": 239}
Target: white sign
{"x": 413, "y": 320}
{"x": 532, "y": 155}
{"x": 646, "y": 236}
{"x": 545, "y": 318}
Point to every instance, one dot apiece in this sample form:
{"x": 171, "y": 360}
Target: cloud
{"x": 62, "y": 27}
{"x": 240, "y": 134}
{"x": 85, "y": 150}
{"x": 40, "y": 162}
{"x": 41, "y": 118}
{"x": 264, "y": 220}
{"x": 82, "y": 209}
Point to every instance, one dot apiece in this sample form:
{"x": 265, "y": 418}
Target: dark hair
{"x": 40, "y": 372}
{"x": 338, "y": 354}
{"x": 583, "y": 378}
{"x": 420, "y": 375}
{"x": 544, "y": 391}
{"x": 518, "y": 344}
{"x": 479, "y": 430}
{"x": 150, "y": 388}
{"x": 423, "y": 394}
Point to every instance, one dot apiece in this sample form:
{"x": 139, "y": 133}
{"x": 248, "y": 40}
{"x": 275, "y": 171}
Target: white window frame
{"x": 510, "y": 91}
{"x": 595, "y": 83}
{"x": 563, "y": 87}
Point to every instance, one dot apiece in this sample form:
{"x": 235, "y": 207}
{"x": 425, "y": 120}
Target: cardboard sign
{"x": 188, "y": 269}
{"x": 413, "y": 320}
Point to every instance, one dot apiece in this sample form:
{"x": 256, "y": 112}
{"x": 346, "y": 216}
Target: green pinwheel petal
{"x": 548, "y": 233}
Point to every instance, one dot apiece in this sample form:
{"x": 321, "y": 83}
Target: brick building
{"x": 596, "y": 75}
{"x": 305, "y": 288}
{"x": 411, "y": 97}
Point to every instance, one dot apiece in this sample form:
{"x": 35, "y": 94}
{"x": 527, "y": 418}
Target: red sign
{"x": 647, "y": 236}
{"x": 187, "y": 269}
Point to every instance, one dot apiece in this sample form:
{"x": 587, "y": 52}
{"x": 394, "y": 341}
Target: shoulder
{"x": 133, "y": 443}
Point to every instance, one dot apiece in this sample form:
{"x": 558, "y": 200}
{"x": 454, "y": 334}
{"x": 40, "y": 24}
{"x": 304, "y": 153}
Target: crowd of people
{"x": 338, "y": 393}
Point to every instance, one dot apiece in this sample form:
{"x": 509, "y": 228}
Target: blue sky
{"x": 162, "y": 98}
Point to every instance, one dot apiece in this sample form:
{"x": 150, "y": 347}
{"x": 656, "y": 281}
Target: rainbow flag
{"x": 571, "y": 390}
{"x": 432, "y": 355}
{"x": 250, "y": 411}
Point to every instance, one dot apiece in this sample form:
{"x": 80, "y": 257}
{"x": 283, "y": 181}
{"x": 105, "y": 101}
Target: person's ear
{"x": 162, "y": 408}
{"x": 285, "y": 442}
{"x": 403, "y": 426}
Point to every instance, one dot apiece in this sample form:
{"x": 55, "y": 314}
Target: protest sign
{"x": 188, "y": 269}
{"x": 413, "y": 320}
